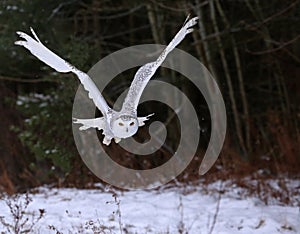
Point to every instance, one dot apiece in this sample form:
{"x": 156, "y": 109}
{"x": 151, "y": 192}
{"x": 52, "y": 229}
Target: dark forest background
{"x": 252, "y": 48}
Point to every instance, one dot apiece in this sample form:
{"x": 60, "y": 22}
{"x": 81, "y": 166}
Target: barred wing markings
{"x": 144, "y": 74}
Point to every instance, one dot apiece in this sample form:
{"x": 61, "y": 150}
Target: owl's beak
{"x": 126, "y": 129}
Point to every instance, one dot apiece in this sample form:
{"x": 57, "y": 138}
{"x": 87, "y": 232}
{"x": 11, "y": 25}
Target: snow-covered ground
{"x": 170, "y": 210}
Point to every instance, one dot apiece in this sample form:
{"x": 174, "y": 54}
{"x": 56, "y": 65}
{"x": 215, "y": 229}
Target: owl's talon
{"x": 106, "y": 141}
{"x": 117, "y": 140}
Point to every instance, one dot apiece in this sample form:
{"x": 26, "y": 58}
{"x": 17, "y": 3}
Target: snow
{"x": 166, "y": 210}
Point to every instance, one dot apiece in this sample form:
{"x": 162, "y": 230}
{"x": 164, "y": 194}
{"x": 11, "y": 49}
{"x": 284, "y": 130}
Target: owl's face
{"x": 124, "y": 126}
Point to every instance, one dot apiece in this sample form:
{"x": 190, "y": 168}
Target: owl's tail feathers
{"x": 37, "y": 48}
{"x": 98, "y": 123}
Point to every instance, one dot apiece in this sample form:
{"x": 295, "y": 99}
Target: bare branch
{"x": 118, "y": 15}
{"x": 285, "y": 10}
{"x": 21, "y": 80}
{"x": 256, "y": 25}
{"x": 125, "y": 32}
{"x": 161, "y": 5}
{"x": 282, "y": 45}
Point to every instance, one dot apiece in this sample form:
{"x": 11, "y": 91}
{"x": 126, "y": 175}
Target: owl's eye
{"x": 121, "y": 124}
{"x": 131, "y": 124}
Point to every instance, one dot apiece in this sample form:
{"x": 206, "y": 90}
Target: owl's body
{"x": 115, "y": 125}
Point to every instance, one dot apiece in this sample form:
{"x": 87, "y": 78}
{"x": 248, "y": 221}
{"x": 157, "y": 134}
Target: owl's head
{"x": 124, "y": 126}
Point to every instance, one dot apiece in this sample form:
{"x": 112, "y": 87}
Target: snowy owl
{"x": 116, "y": 125}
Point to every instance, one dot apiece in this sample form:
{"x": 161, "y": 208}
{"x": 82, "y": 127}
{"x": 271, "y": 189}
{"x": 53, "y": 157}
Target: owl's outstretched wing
{"x": 144, "y": 74}
{"x": 36, "y": 47}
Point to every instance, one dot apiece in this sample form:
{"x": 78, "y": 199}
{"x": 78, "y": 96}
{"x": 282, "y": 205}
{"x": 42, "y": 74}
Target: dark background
{"x": 252, "y": 48}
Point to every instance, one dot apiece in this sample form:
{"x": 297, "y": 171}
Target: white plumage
{"x": 115, "y": 125}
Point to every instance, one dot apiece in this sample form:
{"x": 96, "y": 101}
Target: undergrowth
{"x": 21, "y": 220}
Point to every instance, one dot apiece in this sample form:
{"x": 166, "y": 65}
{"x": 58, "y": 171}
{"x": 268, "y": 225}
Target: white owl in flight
{"x": 115, "y": 125}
